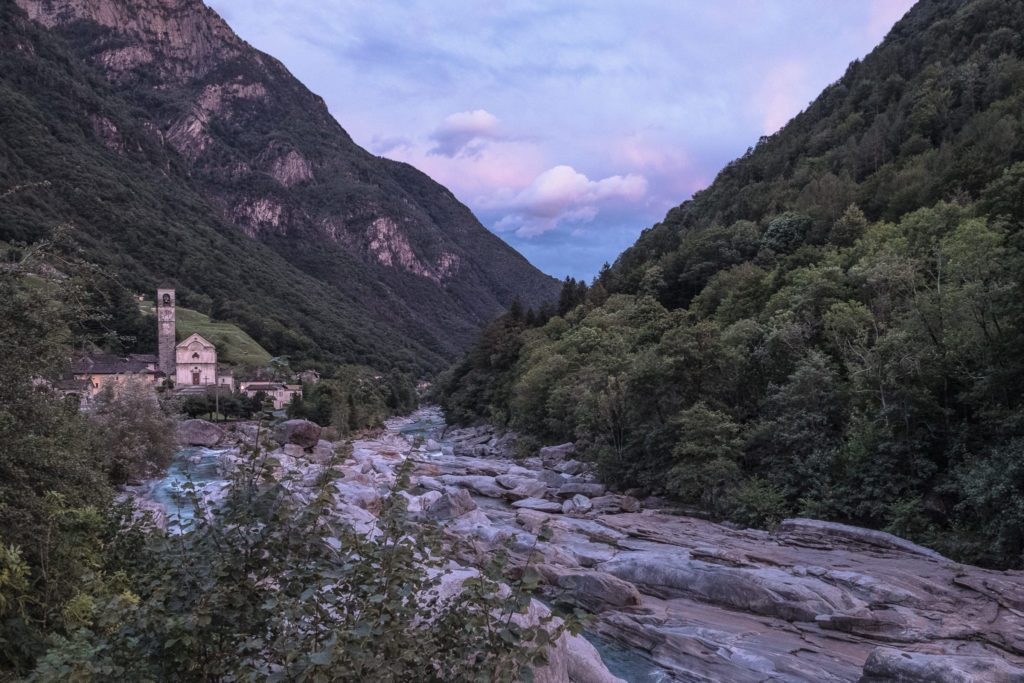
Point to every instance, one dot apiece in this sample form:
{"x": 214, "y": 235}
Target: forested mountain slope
{"x": 834, "y": 328}
{"x": 180, "y": 154}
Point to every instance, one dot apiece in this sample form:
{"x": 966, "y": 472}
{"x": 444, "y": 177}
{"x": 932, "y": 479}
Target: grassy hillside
{"x": 834, "y": 328}
{"x": 234, "y": 346}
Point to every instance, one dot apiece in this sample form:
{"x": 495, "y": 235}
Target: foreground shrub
{"x": 273, "y": 584}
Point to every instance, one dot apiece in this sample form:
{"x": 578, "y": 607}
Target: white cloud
{"x": 464, "y": 132}
{"x": 563, "y": 196}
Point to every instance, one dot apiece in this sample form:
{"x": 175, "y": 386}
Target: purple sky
{"x": 567, "y": 126}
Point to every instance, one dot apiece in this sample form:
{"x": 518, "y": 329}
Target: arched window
{"x": 195, "y": 356}
{"x": 167, "y": 299}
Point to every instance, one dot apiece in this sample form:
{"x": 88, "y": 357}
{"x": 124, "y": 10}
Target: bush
{"x": 756, "y": 503}
{"x": 273, "y": 584}
{"x": 135, "y": 436}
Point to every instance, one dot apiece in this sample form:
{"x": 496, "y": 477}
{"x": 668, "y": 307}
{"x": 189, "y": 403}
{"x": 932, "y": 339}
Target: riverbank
{"x": 677, "y": 598}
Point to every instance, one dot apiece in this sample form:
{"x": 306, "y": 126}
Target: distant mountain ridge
{"x": 166, "y": 84}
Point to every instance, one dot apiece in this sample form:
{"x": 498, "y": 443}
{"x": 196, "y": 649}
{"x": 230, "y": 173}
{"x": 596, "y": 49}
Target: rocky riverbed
{"x": 678, "y": 598}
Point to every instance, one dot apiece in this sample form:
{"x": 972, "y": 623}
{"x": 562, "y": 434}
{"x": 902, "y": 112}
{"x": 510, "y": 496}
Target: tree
{"x": 52, "y": 485}
{"x": 136, "y": 437}
{"x": 849, "y": 227}
{"x": 786, "y": 232}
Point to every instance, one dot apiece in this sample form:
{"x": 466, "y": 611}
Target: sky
{"x": 567, "y": 126}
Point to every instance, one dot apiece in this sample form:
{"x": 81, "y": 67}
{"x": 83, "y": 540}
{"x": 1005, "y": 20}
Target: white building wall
{"x": 196, "y": 361}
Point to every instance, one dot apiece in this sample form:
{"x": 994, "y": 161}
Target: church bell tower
{"x": 165, "y": 330}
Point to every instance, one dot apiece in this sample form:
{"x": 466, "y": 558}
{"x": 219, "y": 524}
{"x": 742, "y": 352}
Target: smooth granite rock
{"x": 199, "y": 433}
{"x": 300, "y": 432}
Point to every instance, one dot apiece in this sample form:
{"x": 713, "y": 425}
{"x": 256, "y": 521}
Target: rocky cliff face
{"x": 268, "y": 157}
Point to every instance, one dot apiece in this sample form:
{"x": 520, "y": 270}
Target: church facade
{"x": 195, "y": 361}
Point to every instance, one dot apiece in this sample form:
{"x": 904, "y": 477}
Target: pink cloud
{"x": 670, "y": 168}
{"x": 882, "y": 14}
{"x": 465, "y": 132}
{"x": 783, "y": 92}
{"x": 494, "y": 166}
{"x": 563, "y": 195}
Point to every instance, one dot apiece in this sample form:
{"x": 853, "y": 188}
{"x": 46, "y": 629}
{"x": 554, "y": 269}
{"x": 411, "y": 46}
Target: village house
{"x": 90, "y": 373}
{"x": 308, "y": 376}
{"x": 279, "y": 392}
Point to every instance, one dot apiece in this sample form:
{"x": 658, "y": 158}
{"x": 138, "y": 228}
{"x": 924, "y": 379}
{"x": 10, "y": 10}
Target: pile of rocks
{"x": 813, "y": 601}
{"x": 479, "y": 442}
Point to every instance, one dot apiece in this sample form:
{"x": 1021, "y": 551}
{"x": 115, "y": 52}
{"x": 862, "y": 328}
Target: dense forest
{"x": 834, "y": 328}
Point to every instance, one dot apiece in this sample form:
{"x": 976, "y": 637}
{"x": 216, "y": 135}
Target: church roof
{"x": 109, "y": 364}
{"x": 195, "y": 336}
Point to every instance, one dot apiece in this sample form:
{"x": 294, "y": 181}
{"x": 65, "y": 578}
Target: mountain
{"x": 181, "y": 154}
{"x": 833, "y": 328}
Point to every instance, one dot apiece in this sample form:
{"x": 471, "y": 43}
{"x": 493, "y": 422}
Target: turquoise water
{"x": 201, "y": 467}
{"x": 427, "y": 426}
{"x": 627, "y": 664}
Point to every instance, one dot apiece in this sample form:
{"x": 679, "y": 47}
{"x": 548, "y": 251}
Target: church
{"x": 192, "y": 363}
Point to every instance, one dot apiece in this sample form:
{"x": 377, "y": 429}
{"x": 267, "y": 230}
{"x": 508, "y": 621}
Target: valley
{"x": 779, "y": 438}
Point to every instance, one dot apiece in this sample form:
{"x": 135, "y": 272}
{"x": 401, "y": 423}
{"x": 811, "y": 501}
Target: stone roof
{"x": 109, "y": 364}
{"x": 263, "y": 386}
{"x": 69, "y": 384}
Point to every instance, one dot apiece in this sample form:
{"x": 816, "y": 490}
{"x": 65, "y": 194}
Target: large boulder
{"x": 532, "y": 520}
{"x": 359, "y": 495}
{"x": 886, "y": 664}
{"x": 551, "y": 455}
{"x": 768, "y": 591}
{"x": 613, "y": 504}
{"x": 819, "y": 531}
{"x": 530, "y": 488}
{"x": 511, "y": 481}
{"x": 477, "y": 483}
{"x": 570, "y": 489}
{"x": 570, "y": 467}
{"x": 577, "y": 505}
{"x": 453, "y": 503}
{"x": 583, "y": 662}
{"x": 300, "y": 432}
{"x": 592, "y": 590}
{"x": 199, "y": 433}
{"x": 552, "y": 479}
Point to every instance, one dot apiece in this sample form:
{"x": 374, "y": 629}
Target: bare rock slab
{"x": 538, "y": 504}
{"x": 887, "y": 665}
